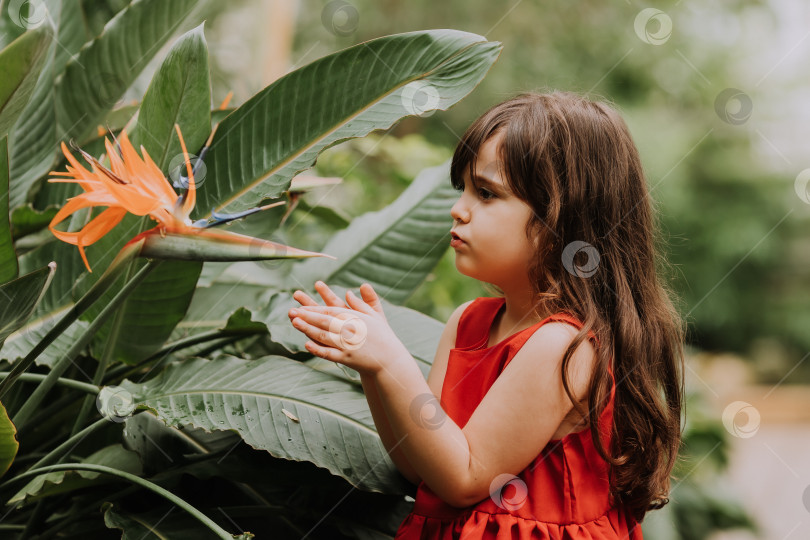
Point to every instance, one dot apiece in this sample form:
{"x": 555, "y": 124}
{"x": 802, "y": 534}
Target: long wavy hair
{"x": 574, "y": 162}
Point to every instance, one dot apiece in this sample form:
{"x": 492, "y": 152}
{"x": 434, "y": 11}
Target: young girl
{"x": 554, "y": 409}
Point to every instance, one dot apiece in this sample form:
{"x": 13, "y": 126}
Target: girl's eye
{"x": 485, "y": 194}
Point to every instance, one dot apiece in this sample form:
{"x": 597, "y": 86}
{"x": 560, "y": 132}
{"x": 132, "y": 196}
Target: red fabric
{"x": 567, "y": 483}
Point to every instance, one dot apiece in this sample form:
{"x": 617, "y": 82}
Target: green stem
{"x": 30, "y": 406}
{"x": 99, "y": 288}
{"x": 205, "y": 520}
{"x": 68, "y": 445}
{"x": 68, "y": 383}
{"x": 122, "y": 372}
{"x": 104, "y": 361}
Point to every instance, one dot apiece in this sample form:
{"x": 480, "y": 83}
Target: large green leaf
{"x": 27, "y": 219}
{"x": 8, "y": 441}
{"x": 105, "y": 68}
{"x": 180, "y": 93}
{"x": 280, "y": 131}
{"x": 55, "y": 303}
{"x": 19, "y": 297}
{"x": 78, "y": 86}
{"x": 158, "y": 446}
{"x": 151, "y": 312}
{"x": 8, "y": 257}
{"x": 393, "y": 249}
{"x": 57, "y": 482}
{"x": 9, "y": 28}
{"x": 20, "y": 64}
{"x": 418, "y": 332}
{"x": 279, "y": 405}
{"x": 32, "y": 141}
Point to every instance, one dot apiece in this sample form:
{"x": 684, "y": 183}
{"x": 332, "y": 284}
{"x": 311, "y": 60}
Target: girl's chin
{"x": 465, "y": 269}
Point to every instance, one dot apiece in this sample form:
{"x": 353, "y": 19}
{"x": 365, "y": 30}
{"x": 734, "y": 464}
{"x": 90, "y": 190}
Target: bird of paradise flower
{"x": 134, "y": 184}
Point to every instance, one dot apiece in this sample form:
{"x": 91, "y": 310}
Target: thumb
{"x": 370, "y": 297}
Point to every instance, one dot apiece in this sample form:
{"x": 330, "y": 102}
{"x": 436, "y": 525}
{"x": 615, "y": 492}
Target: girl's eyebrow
{"x": 479, "y": 181}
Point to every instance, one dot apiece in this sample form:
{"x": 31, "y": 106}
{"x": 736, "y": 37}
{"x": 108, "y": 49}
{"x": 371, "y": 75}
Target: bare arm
{"x": 384, "y": 430}
{"x": 435, "y": 378}
{"x": 514, "y": 421}
{"x": 435, "y": 381}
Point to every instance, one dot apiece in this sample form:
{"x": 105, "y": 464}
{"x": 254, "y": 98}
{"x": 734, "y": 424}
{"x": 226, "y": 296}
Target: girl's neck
{"x": 518, "y": 313}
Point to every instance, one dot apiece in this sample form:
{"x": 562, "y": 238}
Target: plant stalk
{"x": 205, "y": 520}
{"x": 67, "y": 383}
{"x": 104, "y": 361}
{"x": 30, "y": 406}
{"x": 69, "y": 444}
{"x": 124, "y": 371}
{"x": 95, "y": 292}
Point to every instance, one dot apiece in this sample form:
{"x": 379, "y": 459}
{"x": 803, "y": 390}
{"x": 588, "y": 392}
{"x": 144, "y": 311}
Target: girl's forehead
{"x": 488, "y": 162}
{"x": 489, "y": 150}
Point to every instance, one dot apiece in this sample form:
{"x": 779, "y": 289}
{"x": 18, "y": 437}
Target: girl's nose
{"x": 460, "y": 211}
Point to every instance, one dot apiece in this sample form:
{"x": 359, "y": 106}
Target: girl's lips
{"x": 455, "y": 240}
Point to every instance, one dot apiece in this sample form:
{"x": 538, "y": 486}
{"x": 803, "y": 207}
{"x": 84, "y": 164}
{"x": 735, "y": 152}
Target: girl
{"x": 552, "y": 410}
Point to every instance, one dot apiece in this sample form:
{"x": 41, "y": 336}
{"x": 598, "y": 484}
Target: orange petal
{"x": 157, "y": 182}
{"x": 191, "y": 196}
{"x": 93, "y": 231}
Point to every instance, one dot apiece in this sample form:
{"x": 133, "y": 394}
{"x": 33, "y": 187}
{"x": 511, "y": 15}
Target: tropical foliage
{"x": 158, "y": 394}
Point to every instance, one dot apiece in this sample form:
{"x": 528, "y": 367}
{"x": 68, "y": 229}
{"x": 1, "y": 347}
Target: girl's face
{"x": 491, "y": 221}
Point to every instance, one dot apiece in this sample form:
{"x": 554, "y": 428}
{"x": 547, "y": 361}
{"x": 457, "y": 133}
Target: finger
{"x": 315, "y": 318}
{"x": 370, "y": 297}
{"x": 358, "y": 304}
{"x": 304, "y": 299}
{"x": 329, "y": 297}
{"x": 315, "y": 333}
{"x": 327, "y": 353}
{"x": 334, "y": 311}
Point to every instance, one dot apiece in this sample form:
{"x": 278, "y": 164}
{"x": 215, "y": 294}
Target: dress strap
{"x": 475, "y": 321}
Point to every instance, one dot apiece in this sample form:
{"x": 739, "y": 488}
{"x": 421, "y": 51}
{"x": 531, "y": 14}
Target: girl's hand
{"x": 355, "y": 334}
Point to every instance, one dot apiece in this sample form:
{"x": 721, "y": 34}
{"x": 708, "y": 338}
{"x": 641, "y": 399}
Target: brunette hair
{"x": 574, "y": 162}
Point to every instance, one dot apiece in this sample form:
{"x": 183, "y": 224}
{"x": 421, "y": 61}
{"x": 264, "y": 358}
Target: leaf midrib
{"x": 266, "y": 396}
{"x": 295, "y": 154}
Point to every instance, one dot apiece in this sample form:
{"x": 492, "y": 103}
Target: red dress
{"x": 562, "y": 494}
